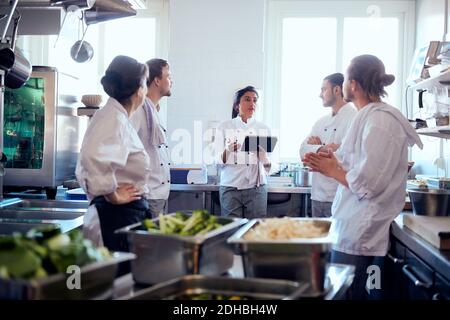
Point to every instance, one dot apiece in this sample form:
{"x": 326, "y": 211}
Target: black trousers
{"x": 113, "y": 217}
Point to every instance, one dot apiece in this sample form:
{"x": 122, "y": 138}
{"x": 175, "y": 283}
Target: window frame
{"x": 278, "y": 10}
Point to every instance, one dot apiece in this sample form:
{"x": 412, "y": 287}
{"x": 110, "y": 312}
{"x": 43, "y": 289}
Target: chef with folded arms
{"x": 327, "y": 134}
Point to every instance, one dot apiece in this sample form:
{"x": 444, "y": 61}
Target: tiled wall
{"x": 216, "y": 47}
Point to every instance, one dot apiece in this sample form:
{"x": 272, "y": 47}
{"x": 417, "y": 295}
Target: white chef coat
{"x": 241, "y": 169}
{"x": 330, "y": 129}
{"x": 112, "y": 153}
{"x": 375, "y": 155}
{"x": 155, "y": 143}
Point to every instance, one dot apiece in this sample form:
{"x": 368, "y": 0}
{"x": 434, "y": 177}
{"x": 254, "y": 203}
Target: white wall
{"x": 429, "y": 27}
{"x": 216, "y": 47}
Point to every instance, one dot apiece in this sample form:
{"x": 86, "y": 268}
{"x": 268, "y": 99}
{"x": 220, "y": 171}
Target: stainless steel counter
{"x": 206, "y": 196}
{"x": 439, "y": 260}
{"x": 215, "y": 187}
{"x": 20, "y": 216}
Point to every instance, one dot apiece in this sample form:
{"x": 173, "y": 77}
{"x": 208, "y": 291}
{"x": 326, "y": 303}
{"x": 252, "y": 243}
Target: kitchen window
{"x": 308, "y": 40}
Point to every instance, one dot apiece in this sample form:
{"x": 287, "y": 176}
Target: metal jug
{"x": 302, "y": 177}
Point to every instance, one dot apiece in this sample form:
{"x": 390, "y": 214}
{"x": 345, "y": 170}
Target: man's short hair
{"x": 336, "y": 79}
{"x": 155, "y": 67}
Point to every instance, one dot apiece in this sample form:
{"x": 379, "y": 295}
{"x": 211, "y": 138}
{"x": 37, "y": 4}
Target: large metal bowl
{"x": 430, "y": 202}
{"x": 300, "y": 259}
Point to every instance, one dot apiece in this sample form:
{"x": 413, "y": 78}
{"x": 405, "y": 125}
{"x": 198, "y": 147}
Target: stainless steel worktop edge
{"x": 215, "y": 187}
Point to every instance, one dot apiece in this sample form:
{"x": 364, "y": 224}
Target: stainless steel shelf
{"x": 441, "y": 80}
{"x": 438, "y": 132}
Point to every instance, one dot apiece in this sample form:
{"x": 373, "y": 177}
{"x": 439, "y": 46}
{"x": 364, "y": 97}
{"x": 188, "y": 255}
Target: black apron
{"x": 113, "y": 217}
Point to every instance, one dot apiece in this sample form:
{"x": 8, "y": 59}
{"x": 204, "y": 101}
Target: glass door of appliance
{"x": 24, "y": 122}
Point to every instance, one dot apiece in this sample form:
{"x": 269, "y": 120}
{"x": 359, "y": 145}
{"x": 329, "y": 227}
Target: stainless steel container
{"x": 162, "y": 257}
{"x": 96, "y": 282}
{"x": 295, "y": 259}
{"x": 303, "y": 177}
{"x": 430, "y": 202}
{"x": 252, "y": 289}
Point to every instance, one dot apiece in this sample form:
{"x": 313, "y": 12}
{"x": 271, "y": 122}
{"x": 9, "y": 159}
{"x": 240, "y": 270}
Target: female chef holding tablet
{"x": 243, "y": 181}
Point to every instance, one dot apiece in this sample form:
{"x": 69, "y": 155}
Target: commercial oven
{"x": 42, "y": 132}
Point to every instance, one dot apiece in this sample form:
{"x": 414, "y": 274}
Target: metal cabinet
{"x": 184, "y": 200}
{"x": 441, "y": 288}
{"x": 419, "y": 278}
{"x": 394, "y": 282}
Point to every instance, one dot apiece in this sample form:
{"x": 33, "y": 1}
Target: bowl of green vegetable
{"x": 45, "y": 263}
{"x": 181, "y": 243}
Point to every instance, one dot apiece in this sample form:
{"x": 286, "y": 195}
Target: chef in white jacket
{"x": 153, "y": 135}
{"x": 243, "y": 181}
{"x": 327, "y": 134}
{"x": 112, "y": 165}
{"x": 371, "y": 167}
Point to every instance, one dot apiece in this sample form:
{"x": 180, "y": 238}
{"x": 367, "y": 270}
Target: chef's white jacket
{"x": 375, "y": 155}
{"x": 330, "y": 129}
{"x": 154, "y": 139}
{"x": 241, "y": 169}
{"x": 111, "y": 153}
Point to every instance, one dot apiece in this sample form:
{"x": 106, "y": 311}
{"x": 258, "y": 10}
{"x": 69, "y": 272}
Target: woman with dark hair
{"x": 243, "y": 191}
{"x": 113, "y": 166}
{"x": 371, "y": 168}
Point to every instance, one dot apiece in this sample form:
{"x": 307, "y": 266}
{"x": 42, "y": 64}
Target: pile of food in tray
{"x": 286, "y": 229}
{"x": 199, "y": 223}
{"x": 45, "y": 251}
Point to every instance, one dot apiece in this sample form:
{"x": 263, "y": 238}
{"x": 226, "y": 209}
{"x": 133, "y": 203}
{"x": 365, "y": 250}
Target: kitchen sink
{"x": 39, "y": 215}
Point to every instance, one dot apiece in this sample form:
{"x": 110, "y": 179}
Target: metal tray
{"x": 298, "y": 259}
{"x": 96, "y": 280}
{"x": 162, "y": 257}
{"x": 252, "y": 289}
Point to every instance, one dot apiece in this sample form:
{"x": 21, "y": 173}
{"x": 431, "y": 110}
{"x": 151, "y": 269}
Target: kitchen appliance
{"x": 430, "y": 202}
{"x": 42, "y": 132}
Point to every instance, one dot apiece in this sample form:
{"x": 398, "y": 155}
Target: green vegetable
{"x": 42, "y": 252}
{"x": 199, "y": 223}
{"x": 19, "y": 262}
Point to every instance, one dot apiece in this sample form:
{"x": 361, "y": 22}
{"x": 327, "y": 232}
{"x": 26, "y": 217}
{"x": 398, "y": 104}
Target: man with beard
{"x": 371, "y": 169}
{"x": 326, "y": 135}
{"x": 153, "y": 135}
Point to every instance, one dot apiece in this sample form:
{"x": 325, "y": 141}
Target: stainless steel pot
{"x": 17, "y": 68}
{"x": 303, "y": 177}
{"x": 430, "y": 202}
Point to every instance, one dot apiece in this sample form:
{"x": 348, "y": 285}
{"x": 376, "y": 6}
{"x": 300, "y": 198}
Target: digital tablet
{"x": 251, "y": 143}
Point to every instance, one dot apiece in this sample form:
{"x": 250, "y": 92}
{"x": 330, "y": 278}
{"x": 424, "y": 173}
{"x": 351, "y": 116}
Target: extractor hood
{"x": 95, "y": 10}
{"x": 57, "y": 4}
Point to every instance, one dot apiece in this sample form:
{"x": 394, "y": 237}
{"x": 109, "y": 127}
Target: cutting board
{"x": 435, "y": 230}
